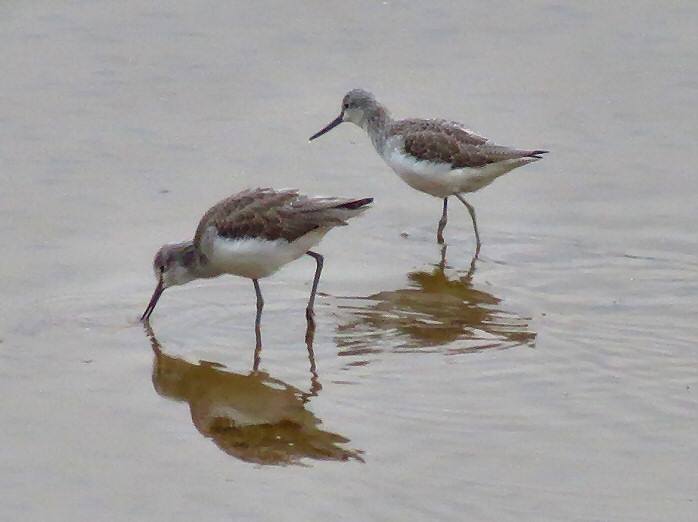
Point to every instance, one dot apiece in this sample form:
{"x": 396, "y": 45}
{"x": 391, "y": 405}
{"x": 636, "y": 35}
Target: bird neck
{"x": 193, "y": 264}
{"x": 202, "y": 268}
{"x": 375, "y": 125}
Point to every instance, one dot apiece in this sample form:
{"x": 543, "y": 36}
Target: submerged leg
{"x": 257, "y": 356}
{"x": 442, "y": 223}
{"x": 315, "y": 385}
{"x": 258, "y": 318}
{"x": 309, "y": 312}
{"x": 472, "y": 215}
{"x": 442, "y": 263}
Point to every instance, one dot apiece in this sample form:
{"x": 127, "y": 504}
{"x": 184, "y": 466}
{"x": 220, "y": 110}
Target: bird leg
{"x": 258, "y": 318}
{"x": 315, "y": 385}
{"x": 442, "y": 263}
{"x": 472, "y": 215}
{"x": 309, "y": 311}
{"x": 442, "y": 223}
{"x": 310, "y": 316}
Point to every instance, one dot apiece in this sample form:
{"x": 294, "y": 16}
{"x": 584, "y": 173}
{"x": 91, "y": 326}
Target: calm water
{"x": 555, "y": 379}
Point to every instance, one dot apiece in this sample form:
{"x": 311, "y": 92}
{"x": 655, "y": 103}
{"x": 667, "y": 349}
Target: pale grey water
{"x": 558, "y": 381}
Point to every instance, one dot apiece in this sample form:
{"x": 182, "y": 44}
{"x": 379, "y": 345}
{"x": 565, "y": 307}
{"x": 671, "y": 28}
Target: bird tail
{"x": 336, "y": 211}
{"x": 355, "y": 204}
{"x": 537, "y": 154}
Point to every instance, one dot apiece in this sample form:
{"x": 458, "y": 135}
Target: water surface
{"x": 556, "y": 378}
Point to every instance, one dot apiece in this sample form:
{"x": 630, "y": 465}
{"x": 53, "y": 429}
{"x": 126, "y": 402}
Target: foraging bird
{"x": 253, "y": 234}
{"x": 438, "y": 157}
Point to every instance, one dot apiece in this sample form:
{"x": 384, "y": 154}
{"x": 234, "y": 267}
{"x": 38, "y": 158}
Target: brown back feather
{"x": 449, "y": 142}
{"x": 272, "y": 214}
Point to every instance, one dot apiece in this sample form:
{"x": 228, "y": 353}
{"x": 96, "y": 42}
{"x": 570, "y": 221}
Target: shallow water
{"x": 556, "y": 378}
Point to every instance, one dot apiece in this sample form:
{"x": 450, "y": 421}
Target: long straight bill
{"x": 339, "y": 119}
{"x": 153, "y": 300}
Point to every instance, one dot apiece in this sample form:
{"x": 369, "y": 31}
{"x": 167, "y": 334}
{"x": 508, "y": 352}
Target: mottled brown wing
{"x": 438, "y": 147}
{"x": 448, "y": 128}
{"x": 255, "y": 213}
{"x": 449, "y": 142}
{"x": 441, "y": 141}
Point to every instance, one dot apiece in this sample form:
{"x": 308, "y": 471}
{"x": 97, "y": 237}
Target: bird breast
{"x": 256, "y": 258}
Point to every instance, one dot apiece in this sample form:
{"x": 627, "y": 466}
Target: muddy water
{"x": 553, "y": 379}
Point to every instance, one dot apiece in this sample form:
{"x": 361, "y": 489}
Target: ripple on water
{"x": 251, "y": 416}
{"x": 438, "y": 310}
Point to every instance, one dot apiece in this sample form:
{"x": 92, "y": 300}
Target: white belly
{"x": 440, "y": 180}
{"x": 256, "y": 258}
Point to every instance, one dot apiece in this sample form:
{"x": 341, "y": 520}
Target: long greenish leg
{"x": 442, "y": 223}
{"x": 258, "y": 318}
{"x": 472, "y": 215}
{"x": 309, "y": 311}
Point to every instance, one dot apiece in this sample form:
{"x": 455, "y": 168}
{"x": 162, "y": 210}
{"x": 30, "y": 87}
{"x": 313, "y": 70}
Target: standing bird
{"x": 253, "y": 234}
{"x": 439, "y": 157}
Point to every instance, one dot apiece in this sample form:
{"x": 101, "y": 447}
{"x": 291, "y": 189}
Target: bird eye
{"x": 162, "y": 269}
{"x": 346, "y": 105}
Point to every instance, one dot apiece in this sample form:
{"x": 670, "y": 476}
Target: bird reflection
{"x": 256, "y": 417}
{"x": 440, "y": 310}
